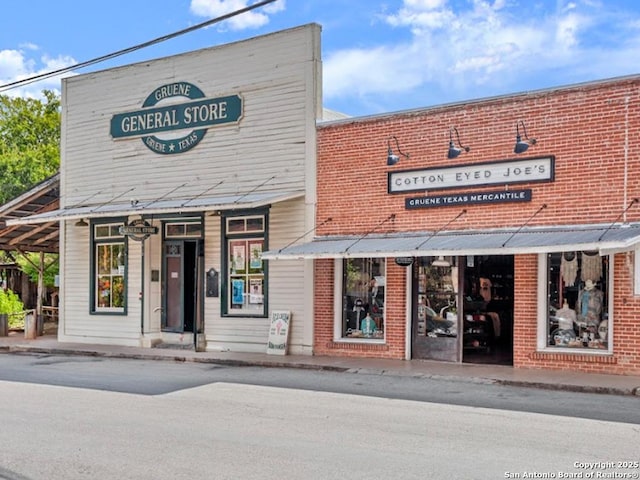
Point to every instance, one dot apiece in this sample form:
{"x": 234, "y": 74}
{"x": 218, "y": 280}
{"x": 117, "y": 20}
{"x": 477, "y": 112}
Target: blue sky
{"x": 378, "y": 56}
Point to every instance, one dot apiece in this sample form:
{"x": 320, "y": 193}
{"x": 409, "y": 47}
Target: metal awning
{"x": 159, "y": 207}
{"x": 42, "y": 198}
{"x": 508, "y": 241}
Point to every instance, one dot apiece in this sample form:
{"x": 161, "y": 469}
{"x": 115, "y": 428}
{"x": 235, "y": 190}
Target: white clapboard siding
{"x": 286, "y": 289}
{"x": 79, "y": 325}
{"x": 271, "y": 149}
{"x": 271, "y": 74}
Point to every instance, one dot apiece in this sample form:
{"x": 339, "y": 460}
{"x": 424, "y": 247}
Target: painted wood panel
{"x": 286, "y": 287}
{"x": 269, "y": 72}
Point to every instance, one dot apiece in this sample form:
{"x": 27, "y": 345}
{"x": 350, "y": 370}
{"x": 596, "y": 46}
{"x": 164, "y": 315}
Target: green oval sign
{"x": 197, "y": 116}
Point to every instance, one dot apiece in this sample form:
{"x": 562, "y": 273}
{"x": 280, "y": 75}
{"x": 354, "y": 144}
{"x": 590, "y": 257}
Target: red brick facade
{"x": 592, "y": 130}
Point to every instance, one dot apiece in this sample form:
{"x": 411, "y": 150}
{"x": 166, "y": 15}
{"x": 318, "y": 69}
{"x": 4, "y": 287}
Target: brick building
{"x": 500, "y": 254}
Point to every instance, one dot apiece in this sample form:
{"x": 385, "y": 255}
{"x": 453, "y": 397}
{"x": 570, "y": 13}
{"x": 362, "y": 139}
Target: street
{"x": 83, "y": 417}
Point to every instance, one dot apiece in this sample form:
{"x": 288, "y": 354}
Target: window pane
{"x": 117, "y": 294}
{"x": 102, "y": 231}
{"x": 255, "y": 224}
{"x": 238, "y": 256}
{"x": 104, "y": 258}
{"x": 104, "y": 291}
{"x": 235, "y": 225}
{"x": 255, "y": 258}
{"x": 363, "y": 296}
{"x": 175, "y": 230}
{"x": 578, "y": 300}
{"x": 194, "y": 229}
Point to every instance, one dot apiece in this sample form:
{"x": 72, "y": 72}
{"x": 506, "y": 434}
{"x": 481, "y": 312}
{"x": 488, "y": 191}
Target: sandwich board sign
{"x": 279, "y": 332}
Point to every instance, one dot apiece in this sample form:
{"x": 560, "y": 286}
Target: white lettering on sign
{"x": 507, "y": 172}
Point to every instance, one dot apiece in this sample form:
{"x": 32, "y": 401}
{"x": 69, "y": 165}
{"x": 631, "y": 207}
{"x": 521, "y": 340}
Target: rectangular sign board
{"x": 279, "y": 332}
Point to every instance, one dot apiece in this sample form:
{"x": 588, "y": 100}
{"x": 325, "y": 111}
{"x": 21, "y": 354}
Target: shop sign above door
{"x": 186, "y": 122}
{"x": 473, "y": 175}
{"x": 138, "y": 230}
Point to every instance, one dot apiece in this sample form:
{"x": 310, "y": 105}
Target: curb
{"x": 17, "y": 349}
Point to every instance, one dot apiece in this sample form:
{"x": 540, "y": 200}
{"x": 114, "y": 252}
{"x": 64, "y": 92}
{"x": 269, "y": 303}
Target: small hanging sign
{"x": 138, "y": 230}
{"x": 404, "y": 261}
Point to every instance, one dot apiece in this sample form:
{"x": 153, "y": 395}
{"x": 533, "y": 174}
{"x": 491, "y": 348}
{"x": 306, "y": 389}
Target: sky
{"x": 378, "y": 56}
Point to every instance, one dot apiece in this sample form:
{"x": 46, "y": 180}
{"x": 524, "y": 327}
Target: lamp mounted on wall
{"x": 522, "y": 145}
{"x": 453, "y": 150}
{"x": 392, "y": 158}
{"x": 81, "y": 223}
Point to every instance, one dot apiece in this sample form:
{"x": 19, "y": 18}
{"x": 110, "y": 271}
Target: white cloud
{"x": 15, "y": 65}
{"x": 252, "y": 19}
{"x": 496, "y": 45}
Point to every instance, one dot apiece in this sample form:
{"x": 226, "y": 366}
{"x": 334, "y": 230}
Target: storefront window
{"x": 245, "y": 268}
{"x": 578, "y": 300}
{"x": 363, "y": 293}
{"x": 109, "y": 262}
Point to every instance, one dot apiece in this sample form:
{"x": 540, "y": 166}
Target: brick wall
{"x": 592, "y": 130}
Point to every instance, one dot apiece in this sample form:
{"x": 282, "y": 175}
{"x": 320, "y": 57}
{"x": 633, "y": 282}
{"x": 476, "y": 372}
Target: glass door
{"x": 435, "y": 316}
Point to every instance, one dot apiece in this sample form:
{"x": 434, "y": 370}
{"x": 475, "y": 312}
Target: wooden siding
{"x": 286, "y": 287}
{"x": 271, "y": 149}
{"x": 271, "y": 75}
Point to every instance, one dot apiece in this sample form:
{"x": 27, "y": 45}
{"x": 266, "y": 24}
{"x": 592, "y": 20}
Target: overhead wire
{"x": 109, "y": 56}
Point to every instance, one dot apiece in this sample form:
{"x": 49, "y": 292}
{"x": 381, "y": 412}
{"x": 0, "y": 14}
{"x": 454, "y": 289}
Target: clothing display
{"x": 569, "y": 268}
{"x": 589, "y": 305}
{"x": 591, "y": 266}
{"x": 566, "y": 317}
{"x": 368, "y": 326}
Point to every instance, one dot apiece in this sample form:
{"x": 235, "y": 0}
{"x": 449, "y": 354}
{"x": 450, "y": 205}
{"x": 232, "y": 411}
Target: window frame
{"x": 338, "y": 309}
{"x": 246, "y": 236}
{"x": 544, "y": 304}
{"x": 96, "y": 241}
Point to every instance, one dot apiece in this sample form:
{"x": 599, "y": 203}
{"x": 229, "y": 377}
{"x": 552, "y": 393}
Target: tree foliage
{"x": 29, "y": 267}
{"x": 29, "y": 142}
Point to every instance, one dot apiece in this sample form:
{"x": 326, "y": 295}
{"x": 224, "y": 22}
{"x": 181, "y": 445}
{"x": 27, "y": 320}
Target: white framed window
{"x": 574, "y": 304}
{"x": 245, "y": 273}
{"x": 360, "y": 299}
{"x": 108, "y": 268}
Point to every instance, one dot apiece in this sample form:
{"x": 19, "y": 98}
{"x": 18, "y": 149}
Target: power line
{"x": 53, "y": 73}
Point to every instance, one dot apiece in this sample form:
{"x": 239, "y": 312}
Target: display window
{"x": 109, "y": 269}
{"x": 578, "y": 301}
{"x": 245, "y": 272}
{"x": 363, "y": 294}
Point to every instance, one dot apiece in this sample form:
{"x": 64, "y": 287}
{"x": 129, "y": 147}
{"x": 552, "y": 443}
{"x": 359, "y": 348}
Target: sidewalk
{"x": 497, "y": 374}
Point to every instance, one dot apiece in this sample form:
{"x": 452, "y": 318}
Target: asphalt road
{"x": 145, "y": 377}
{"x": 86, "y": 418}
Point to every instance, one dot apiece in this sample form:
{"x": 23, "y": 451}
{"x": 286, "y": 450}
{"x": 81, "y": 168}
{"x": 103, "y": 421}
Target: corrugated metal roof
{"x": 43, "y": 197}
{"x": 155, "y": 207}
{"x": 604, "y": 238}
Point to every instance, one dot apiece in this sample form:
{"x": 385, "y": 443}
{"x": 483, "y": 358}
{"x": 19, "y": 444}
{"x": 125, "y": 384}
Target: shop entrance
{"x": 463, "y": 309}
{"x": 487, "y": 320}
{"x": 435, "y": 325}
{"x": 179, "y": 281}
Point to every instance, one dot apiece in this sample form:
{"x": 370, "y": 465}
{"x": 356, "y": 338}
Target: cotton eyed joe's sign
{"x": 473, "y": 175}
{"x": 175, "y": 117}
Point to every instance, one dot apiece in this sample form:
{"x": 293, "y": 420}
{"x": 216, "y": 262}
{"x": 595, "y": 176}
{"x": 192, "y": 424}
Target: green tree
{"x": 29, "y": 142}
{"x": 30, "y": 267}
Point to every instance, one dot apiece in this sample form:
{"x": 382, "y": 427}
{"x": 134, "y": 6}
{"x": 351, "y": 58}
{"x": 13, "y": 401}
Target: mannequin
{"x": 487, "y": 296}
{"x": 589, "y": 305}
{"x": 566, "y": 317}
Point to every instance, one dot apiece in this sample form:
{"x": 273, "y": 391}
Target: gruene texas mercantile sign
{"x": 506, "y": 172}
{"x": 194, "y": 117}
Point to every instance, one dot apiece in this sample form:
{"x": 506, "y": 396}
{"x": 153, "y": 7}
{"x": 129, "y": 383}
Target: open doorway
{"x": 180, "y": 257}
{"x": 487, "y": 331}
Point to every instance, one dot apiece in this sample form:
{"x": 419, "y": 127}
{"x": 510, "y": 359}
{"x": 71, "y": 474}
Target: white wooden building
{"x": 176, "y": 174}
